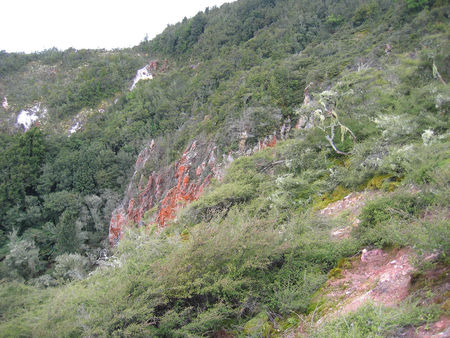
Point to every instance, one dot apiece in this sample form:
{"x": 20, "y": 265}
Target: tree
{"x": 22, "y": 164}
{"x": 326, "y": 119}
{"x": 69, "y": 234}
{"x": 23, "y": 257}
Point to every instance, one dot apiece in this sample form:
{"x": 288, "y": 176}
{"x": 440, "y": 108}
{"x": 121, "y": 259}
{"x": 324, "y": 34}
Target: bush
{"x": 251, "y": 249}
{"x": 405, "y": 219}
{"x": 364, "y": 12}
{"x": 429, "y": 165}
{"x": 15, "y": 298}
{"x": 400, "y": 205}
{"x": 241, "y": 184}
{"x": 416, "y": 4}
{"x": 71, "y": 267}
{"x": 23, "y": 257}
{"x": 294, "y": 292}
{"x": 378, "y": 321}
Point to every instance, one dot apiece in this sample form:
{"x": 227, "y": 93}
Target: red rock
{"x": 171, "y": 188}
{"x": 116, "y": 226}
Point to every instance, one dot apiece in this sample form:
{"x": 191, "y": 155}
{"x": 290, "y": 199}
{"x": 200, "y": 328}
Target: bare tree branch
{"x": 330, "y": 140}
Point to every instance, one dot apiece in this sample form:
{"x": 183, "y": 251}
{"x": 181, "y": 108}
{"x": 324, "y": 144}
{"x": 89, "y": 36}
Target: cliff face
{"x": 156, "y": 198}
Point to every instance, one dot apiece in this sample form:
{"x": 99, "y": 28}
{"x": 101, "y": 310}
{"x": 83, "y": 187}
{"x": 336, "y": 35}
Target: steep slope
{"x": 279, "y": 140}
{"x": 155, "y": 200}
{"x": 61, "y": 83}
{"x": 165, "y": 191}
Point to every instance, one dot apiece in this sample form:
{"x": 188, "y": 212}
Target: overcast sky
{"x": 35, "y": 25}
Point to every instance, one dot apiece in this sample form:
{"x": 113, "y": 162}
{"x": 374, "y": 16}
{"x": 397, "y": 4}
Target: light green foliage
{"x": 323, "y": 200}
{"x": 258, "y": 326}
{"x": 396, "y": 221}
{"x": 226, "y": 269}
{"x": 428, "y": 165}
{"x": 71, "y": 267}
{"x": 241, "y": 184}
{"x": 378, "y": 321}
{"x": 22, "y": 259}
{"x": 17, "y": 297}
{"x": 334, "y": 21}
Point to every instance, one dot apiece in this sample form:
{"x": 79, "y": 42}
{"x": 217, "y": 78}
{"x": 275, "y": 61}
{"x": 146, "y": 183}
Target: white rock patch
{"x": 142, "y": 74}
{"x": 74, "y": 128}
{"x": 26, "y": 118}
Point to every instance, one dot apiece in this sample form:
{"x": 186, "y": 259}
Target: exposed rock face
{"x": 148, "y": 72}
{"x": 307, "y": 98}
{"x": 351, "y": 204}
{"x": 26, "y": 118}
{"x": 169, "y": 189}
{"x": 142, "y": 74}
{"x": 285, "y": 129}
{"x": 377, "y": 276}
{"x": 74, "y": 128}
{"x": 155, "y": 198}
{"x": 270, "y": 141}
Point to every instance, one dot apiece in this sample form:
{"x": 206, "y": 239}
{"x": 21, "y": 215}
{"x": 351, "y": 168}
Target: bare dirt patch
{"x": 377, "y": 276}
{"x": 439, "y": 329}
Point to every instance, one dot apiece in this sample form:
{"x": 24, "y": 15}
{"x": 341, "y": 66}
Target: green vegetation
{"x": 378, "y": 321}
{"x": 251, "y": 253}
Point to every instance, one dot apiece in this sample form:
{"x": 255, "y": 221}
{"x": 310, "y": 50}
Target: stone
{"x": 171, "y": 188}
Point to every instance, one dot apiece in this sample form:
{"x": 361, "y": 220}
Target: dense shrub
{"x": 71, "y": 267}
{"x": 378, "y": 321}
{"x": 22, "y": 259}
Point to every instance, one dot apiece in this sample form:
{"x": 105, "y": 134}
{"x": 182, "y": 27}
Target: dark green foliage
{"x": 42, "y": 193}
{"x": 417, "y": 4}
{"x": 364, "y": 13}
{"x": 21, "y": 164}
{"x": 10, "y": 63}
{"x": 101, "y": 80}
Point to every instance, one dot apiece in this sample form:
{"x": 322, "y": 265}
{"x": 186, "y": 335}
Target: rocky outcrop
{"x": 376, "y": 276}
{"x": 142, "y": 74}
{"x": 155, "y": 198}
{"x": 29, "y": 117}
{"x": 148, "y": 71}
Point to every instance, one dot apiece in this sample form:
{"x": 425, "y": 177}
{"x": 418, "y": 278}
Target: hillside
{"x": 281, "y": 169}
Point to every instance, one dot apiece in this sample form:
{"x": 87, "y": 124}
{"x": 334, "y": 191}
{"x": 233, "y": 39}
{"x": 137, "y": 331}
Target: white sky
{"x": 35, "y": 25}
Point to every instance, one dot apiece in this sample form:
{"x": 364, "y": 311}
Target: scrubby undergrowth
{"x": 256, "y": 259}
{"x": 251, "y": 256}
